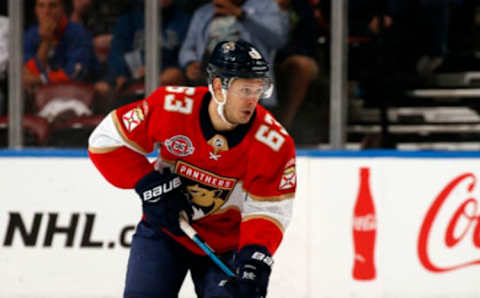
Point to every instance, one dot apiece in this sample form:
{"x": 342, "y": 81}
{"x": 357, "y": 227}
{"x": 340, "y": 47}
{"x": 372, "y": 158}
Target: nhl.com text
{"x": 55, "y": 229}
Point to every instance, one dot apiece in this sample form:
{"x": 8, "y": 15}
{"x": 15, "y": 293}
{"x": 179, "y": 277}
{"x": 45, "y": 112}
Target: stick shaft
{"x": 192, "y": 234}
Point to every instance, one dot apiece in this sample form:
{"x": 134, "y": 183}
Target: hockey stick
{"x": 192, "y": 234}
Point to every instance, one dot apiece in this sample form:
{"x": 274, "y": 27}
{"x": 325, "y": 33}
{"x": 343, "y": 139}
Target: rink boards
{"x": 64, "y": 232}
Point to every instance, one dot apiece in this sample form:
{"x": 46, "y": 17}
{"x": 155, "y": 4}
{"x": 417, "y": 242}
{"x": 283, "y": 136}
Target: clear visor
{"x": 246, "y": 88}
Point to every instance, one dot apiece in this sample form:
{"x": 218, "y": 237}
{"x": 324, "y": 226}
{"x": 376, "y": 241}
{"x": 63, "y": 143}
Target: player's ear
{"x": 217, "y": 88}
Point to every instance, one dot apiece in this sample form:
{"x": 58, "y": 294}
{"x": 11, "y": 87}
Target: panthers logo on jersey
{"x": 207, "y": 190}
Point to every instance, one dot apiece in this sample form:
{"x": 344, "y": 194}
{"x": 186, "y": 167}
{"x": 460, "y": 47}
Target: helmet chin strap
{"x": 220, "y": 104}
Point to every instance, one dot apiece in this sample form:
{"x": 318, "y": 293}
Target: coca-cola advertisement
{"x": 396, "y": 227}
{"x": 432, "y": 228}
{"x": 458, "y": 201}
{"x": 364, "y": 229}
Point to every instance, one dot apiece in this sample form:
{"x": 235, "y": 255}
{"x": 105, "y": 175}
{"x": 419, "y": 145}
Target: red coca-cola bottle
{"x": 364, "y": 230}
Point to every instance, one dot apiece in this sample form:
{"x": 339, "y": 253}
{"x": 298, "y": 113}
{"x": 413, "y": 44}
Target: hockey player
{"x": 223, "y": 159}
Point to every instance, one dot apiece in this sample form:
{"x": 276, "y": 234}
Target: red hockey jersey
{"x": 242, "y": 182}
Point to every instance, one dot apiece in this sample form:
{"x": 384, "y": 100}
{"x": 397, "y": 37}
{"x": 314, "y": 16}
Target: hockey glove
{"x": 163, "y": 197}
{"x": 253, "y": 264}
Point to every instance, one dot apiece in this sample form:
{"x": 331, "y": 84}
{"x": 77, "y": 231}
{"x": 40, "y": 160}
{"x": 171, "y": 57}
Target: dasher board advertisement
{"x": 388, "y": 226}
{"x": 419, "y": 238}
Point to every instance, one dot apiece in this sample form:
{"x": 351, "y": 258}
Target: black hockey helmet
{"x": 237, "y": 59}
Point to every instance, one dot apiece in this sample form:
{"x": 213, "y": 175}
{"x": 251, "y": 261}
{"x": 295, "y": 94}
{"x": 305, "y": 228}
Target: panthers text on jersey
{"x": 242, "y": 182}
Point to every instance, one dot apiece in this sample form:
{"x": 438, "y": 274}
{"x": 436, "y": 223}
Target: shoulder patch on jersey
{"x": 180, "y": 145}
{"x": 133, "y": 118}
{"x": 289, "y": 177}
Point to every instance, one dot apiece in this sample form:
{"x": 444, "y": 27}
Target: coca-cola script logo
{"x": 365, "y": 223}
{"x": 465, "y": 219}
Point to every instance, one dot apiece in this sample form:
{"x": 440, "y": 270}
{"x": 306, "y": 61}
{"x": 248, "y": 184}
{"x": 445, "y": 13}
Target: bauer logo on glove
{"x": 155, "y": 194}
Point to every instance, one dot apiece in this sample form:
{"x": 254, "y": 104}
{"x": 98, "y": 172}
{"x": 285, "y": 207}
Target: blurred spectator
{"x": 126, "y": 63}
{"x": 297, "y": 67}
{"x": 433, "y": 23}
{"x": 4, "y": 32}
{"x": 390, "y": 24}
{"x": 260, "y": 22}
{"x": 56, "y": 50}
{"x": 99, "y": 18}
{"x": 80, "y": 10}
{"x": 94, "y": 16}
{"x": 29, "y": 18}
{"x": 429, "y": 19}
{"x": 365, "y": 15}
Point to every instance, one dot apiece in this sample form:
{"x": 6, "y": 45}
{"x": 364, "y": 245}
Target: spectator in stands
{"x": 126, "y": 63}
{"x": 395, "y": 20}
{"x": 80, "y": 11}
{"x": 55, "y": 50}
{"x": 4, "y": 29}
{"x": 260, "y": 22}
{"x": 433, "y": 22}
{"x": 97, "y": 17}
{"x": 429, "y": 19}
{"x": 296, "y": 65}
{"x": 365, "y": 15}
{"x": 29, "y": 18}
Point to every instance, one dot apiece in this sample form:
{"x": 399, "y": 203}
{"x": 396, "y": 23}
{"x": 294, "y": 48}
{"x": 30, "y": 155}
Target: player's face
{"x": 243, "y": 96}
